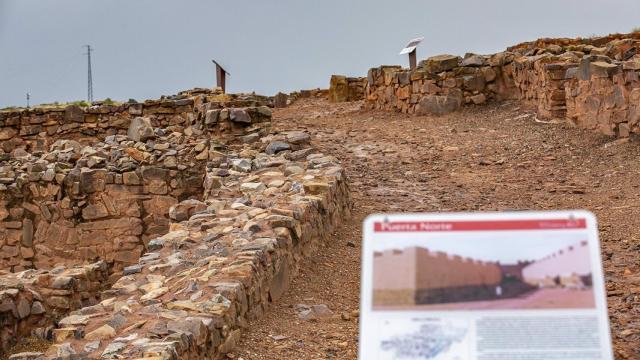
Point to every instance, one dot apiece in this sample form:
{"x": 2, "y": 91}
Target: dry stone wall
{"x": 75, "y": 203}
{"x": 441, "y": 84}
{"x": 591, "y": 82}
{"x": 194, "y": 228}
{"x": 266, "y": 205}
{"x": 605, "y": 96}
{"x": 102, "y": 197}
{"x": 32, "y": 301}
{"x": 35, "y": 129}
{"x": 342, "y": 88}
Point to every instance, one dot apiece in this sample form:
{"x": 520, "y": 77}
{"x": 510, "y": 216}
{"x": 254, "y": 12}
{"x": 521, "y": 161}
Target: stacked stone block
{"x": 440, "y": 84}
{"x": 342, "y": 88}
{"x": 31, "y": 302}
{"x": 605, "y": 96}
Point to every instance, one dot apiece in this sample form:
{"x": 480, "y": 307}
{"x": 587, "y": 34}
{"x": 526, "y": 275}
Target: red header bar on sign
{"x": 486, "y": 225}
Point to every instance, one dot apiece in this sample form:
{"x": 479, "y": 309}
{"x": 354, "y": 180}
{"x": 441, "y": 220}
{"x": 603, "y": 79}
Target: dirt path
{"x": 489, "y": 158}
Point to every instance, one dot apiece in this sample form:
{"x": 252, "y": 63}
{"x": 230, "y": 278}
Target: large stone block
{"x": 73, "y": 114}
{"x": 338, "y": 88}
{"x": 140, "y": 129}
{"x": 438, "y": 104}
{"x": 92, "y": 180}
{"x": 474, "y": 82}
{"x": 440, "y": 63}
{"x": 7, "y": 133}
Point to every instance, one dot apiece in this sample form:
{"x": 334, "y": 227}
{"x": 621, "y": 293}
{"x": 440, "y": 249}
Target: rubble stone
{"x": 140, "y": 129}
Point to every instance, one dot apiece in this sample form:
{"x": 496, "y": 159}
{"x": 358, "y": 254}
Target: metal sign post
{"x": 221, "y": 75}
{"x": 411, "y": 50}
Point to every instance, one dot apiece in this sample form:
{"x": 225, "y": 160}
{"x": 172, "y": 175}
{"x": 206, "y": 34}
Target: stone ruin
{"x": 160, "y": 229}
{"x": 342, "y": 88}
{"x": 593, "y": 83}
{"x": 155, "y": 229}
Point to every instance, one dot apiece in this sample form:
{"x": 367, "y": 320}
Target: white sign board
{"x": 412, "y": 45}
{"x": 485, "y": 286}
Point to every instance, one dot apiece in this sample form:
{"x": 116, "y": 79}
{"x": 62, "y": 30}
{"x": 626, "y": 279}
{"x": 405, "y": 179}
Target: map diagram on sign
{"x": 429, "y": 341}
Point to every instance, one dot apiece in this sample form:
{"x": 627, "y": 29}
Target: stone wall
{"x": 90, "y": 213}
{"x": 197, "y": 219}
{"x": 591, "y": 82}
{"x": 266, "y": 205}
{"x": 69, "y": 203}
{"x": 540, "y": 81}
{"x": 307, "y": 94}
{"x": 31, "y": 302}
{"x": 37, "y": 128}
{"x": 342, "y": 88}
{"x": 605, "y": 96}
{"x": 441, "y": 84}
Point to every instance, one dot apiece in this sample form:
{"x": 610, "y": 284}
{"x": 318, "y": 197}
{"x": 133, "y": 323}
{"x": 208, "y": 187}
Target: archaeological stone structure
{"x": 594, "y": 83}
{"x": 342, "y": 88}
{"x": 160, "y": 229}
{"x": 63, "y": 201}
{"x": 155, "y": 229}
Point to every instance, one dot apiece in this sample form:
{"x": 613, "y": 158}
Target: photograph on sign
{"x": 542, "y": 273}
{"x": 470, "y": 286}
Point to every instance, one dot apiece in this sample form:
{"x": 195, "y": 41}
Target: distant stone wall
{"x": 591, "y": 82}
{"x": 37, "y": 128}
{"x": 441, "y": 84}
{"x": 342, "y": 88}
{"x": 307, "y": 94}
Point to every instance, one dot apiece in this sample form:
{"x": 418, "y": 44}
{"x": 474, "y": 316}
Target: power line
{"x": 89, "y": 78}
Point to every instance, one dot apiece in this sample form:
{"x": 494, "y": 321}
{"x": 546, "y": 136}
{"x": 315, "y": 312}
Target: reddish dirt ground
{"x": 495, "y": 157}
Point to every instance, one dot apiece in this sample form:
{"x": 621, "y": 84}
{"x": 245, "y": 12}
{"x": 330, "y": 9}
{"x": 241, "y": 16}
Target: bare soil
{"x": 494, "y": 157}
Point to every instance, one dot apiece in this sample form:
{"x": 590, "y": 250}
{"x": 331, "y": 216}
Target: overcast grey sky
{"x": 147, "y": 48}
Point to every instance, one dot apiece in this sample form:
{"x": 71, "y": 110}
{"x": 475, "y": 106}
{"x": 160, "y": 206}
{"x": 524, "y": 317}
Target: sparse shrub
{"x": 108, "y": 101}
{"x": 79, "y": 103}
{"x": 132, "y": 101}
